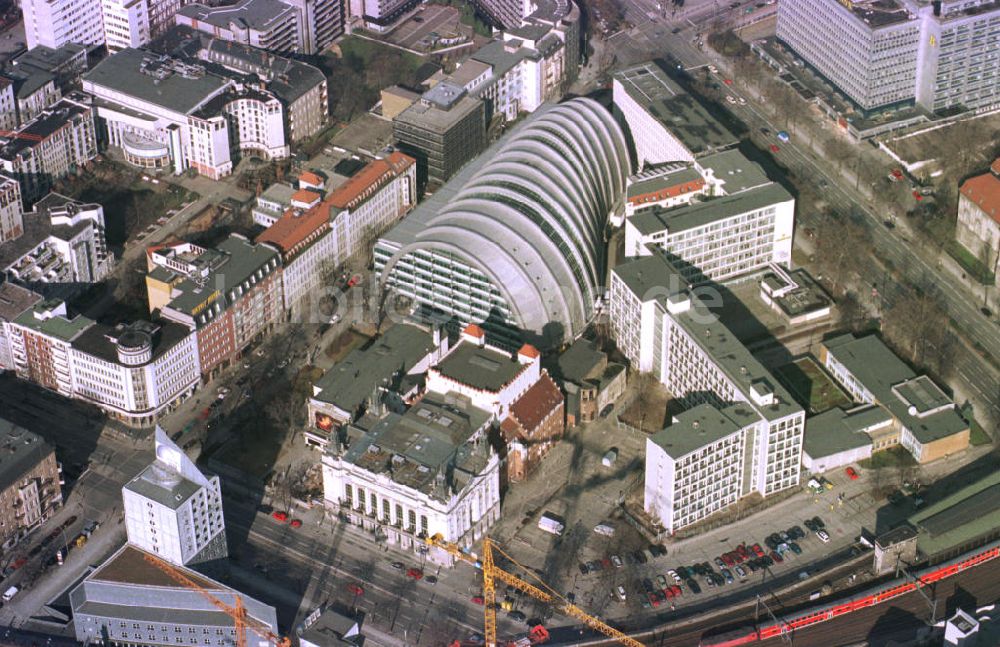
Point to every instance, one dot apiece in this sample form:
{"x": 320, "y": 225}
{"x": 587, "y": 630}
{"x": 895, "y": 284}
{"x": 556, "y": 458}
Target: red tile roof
{"x": 305, "y": 196}
{"x": 984, "y": 191}
{"x": 295, "y": 226}
{"x": 376, "y": 173}
{"x": 474, "y": 330}
{"x": 310, "y": 178}
{"x": 668, "y": 192}
{"x": 537, "y": 403}
{"x": 529, "y": 351}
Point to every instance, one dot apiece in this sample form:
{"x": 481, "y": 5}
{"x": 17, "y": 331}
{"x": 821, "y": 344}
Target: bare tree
{"x": 840, "y": 241}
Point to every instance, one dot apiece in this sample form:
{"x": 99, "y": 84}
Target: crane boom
{"x": 238, "y": 613}
{"x": 491, "y": 573}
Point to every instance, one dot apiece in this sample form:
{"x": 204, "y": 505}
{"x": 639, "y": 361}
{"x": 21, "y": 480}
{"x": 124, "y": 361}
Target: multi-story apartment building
{"x": 443, "y": 131}
{"x": 29, "y": 483}
{"x": 317, "y": 236}
{"x": 694, "y": 465}
{"x": 926, "y": 421}
{"x": 534, "y": 424}
{"x": 195, "y": 110}
{"x": 63, "y": 244}
{"x": 428, "y": 471}
{"x": 11, "y": 208}
{"x": 293, "y": 26}
{"x": 54, "y": 23}
{"x": 722, "y": 238}
{"x": 135, "y": 372}
{"x": 41, "y": 343}
{"x": 664, "y": 328}
{"x": 128, "y": 600}
{"x": 666, "y": 124}
{"x": 268, "y": 24}
{"x": 133, "y": 23}
{"x": 978, "y": 226}
{"x": 386, "y": 375}
{"x": 380, "y": 15}
{"x": 231, "y": 296}
{"x": 272, "y": 203}
{"x": 512, "y": 243}
{"x": 879, "y": 53}
{"x": 173, "y": 510}
{"x": 54, "y": 143}
{"x": 37, "y": 79}
{"x": 14, "y": 300}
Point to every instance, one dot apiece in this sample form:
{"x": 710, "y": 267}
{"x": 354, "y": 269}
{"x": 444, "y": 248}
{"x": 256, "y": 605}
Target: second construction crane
{"x": 542, "y": 592}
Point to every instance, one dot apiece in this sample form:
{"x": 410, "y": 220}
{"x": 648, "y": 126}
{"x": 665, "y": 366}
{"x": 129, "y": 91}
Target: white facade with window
{"x": 173, "y": 510}
{"x": 54, "y": 23}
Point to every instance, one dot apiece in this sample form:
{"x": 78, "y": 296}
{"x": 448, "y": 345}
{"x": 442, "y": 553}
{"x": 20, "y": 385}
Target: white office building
{"x": 173, "y": 510}
{"x": 410, "y": 476}
{"x": 268, "y": 24}
{"x": 663, "y": 327}
{"x": 694, "y": 465}
{"x": 136, "y": 372}
{"x": 54, "y": 23}
{"x": 722, "y": 238}
{"x": 879, "y": 53}
{"x": 133, "y": 23}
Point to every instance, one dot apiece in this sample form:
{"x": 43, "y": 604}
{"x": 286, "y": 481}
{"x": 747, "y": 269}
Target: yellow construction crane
{"x": 542, "y": 592}
{"x": 241, "y": 621}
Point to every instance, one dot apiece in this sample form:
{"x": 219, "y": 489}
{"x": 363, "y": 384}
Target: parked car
{"x": 823, "y": 536}
{"x": 414, "y": 573}
{"x": 719, "y": 562}
{"x": 818, "y": 522}
{"x": 811, "y": 525}
{"x": 478, "y": 599}
{"x": 776, "y": 556}
{"x": 852, "y": 473}
{"x": 757, "y": 550}
{"x": 639, "y": 557}
{"x": 617, "y": 561}
{"x": 620, "y": 592}
{"x": 280, "y": 516}
{"x": 517, "y": 616}
{"x": 355, "y": 589}
{"x": 796, "y": 532}
{"x": 742, "y": 572}
{"x": 661, "y": 581}
{"x": 584, "y": 569}
{"x": 727, "y": 575}
{"x": 295, "y": 523}
{"x": 672, "y": 573}
{"x": 795, "y": 548}
{"x": 397, "y": 565}
{"x": 430, "y": 579}
{"x": 691, "y": 584}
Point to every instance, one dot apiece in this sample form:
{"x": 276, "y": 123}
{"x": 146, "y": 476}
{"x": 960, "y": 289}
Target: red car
{"x": 741, "y": 550}
{"x": 737, "y": 557}
{"x": 654, "y": 598}
{"x": 728, "y": 81}
{"x": 916, "y": 194}
{"x": 728, "y": 560}
{"x": 852, "y": 473}
{"x": 478, "y": 599}
{"x": 676, "y": 591}
{"x": 354, "y": 280}
{"x": 774, "y": 148}
{"x": 280, "y": 516}
{"x": 295, "y": 523}
{"x": 776, "y": 556}
{"x": 415, "y": 573}
{"x": 355, "y": 589}
{"x": 757, "y": 550}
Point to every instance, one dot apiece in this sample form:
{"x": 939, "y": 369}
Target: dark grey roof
{"x": 20, "y": 451}
{"x": 44, "y": 125}
{"x": 699, "y": 214}
{"x": 578, "y": 361}
{"x": 15, "y": 299}
{"x": 353, "y": 380}
{"x": 838, "y": 430}
{"x": 121, "y": 73}
{"x": 287, "y": 78}
{"x": 94, "y": 341}
{"x": 480, "y": 367}
{"x": 128, "y": 610}
{"x": 332, "y": 628}
{"x": 735, "y": 171}
{"x": 162, "y": 484}
{"x": 649, "y": 86}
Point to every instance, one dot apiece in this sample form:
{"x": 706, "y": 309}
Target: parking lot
{"x": 427, "y": 19}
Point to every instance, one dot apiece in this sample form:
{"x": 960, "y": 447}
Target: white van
{"x": 9, "y": 594}
{"x": 549, "y": 523}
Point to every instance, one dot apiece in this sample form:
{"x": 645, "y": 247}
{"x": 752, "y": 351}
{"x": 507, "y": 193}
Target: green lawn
{"x": 969, "y": 263}
{"x": 896, "y": 456}
{"x": 810, "y": 386}
{"x": 977, "y": 435}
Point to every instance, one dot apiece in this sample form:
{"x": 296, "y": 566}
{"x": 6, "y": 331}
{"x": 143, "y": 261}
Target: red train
{"x": 840, "y": 607}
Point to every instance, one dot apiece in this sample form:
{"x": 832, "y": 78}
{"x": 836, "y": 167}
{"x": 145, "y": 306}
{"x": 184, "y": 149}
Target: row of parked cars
{"x": 625, "y": 559}
{"x": 738, "y": 563}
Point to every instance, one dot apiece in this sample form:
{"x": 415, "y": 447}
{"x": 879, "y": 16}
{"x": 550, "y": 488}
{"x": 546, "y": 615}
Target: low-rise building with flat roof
{"x": 928, "y": 424}
{"x": 839, "y": 437}
{"x": 387, "y": 374}
{"x": 794, "y": 295}
{"x": 961, "y": 521}
{"x": 30, "y": 489}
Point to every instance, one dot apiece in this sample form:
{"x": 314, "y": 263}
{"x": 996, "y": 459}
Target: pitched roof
{"x": 984, "y": 191}
{"x": 529, "y": 351}
{"x": 537, "y": 403}
{"x": 295, "y": 226}
{"x": 310, "y": 178}
{"x": 305, "y": 195}
{"x": 374, "y": 174}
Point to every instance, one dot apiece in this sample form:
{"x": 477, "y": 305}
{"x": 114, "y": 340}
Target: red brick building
{"x": 535, "y": 422}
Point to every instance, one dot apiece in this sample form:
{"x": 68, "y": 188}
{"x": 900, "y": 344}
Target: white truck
{"x": 9, "y": 594}
{"x": 551, "y": 524}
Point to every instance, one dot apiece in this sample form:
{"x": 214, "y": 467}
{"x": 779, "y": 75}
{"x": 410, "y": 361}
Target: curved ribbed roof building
{"x": 516, "y": 239}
